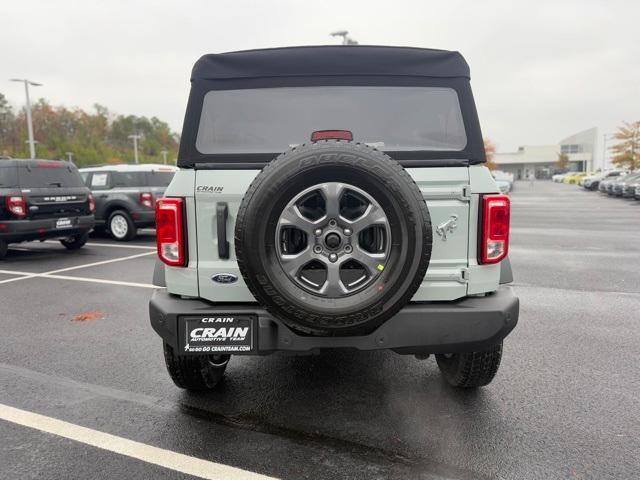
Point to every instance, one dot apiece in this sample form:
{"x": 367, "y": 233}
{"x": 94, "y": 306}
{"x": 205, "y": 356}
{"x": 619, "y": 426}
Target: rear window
{"x": 159, "y": 179}
{"x": 49, "y": 176}
{"x": 8, "y": 177}
{"x": 128, "y": 179}
{"x": 270, "y": 120}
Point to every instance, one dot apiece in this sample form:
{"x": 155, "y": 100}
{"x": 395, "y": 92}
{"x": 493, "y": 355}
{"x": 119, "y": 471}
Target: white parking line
{"x": 100, "y": 280}
{"x": 52, "y": 273}
{"x": 112, "y": 245}
{"x": 130, "y": 448}
{"x": 102, "y": 262}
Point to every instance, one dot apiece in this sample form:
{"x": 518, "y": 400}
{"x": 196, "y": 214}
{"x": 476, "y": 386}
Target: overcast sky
{"x": 540, "y": 70}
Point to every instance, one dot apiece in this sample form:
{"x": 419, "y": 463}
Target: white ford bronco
{"x": 332, "y": 197}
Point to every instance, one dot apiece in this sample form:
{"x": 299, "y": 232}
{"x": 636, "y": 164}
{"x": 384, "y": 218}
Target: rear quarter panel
{"x": 184, "y": 281}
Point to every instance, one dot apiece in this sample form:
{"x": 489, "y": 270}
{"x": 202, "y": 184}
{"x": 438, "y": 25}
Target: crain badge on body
{"x": 224, "y": 278}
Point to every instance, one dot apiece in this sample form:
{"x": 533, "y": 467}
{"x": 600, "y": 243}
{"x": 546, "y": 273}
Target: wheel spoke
{"x": 292, "y": 217}
{"x": 371, "y": 261}
{"x": 333, "y": 286}
{"x": 293, "y": 263}
{"x": 373, "y": 215}
{"x": 332, "y": 193}
{"x": 321, "y": 233}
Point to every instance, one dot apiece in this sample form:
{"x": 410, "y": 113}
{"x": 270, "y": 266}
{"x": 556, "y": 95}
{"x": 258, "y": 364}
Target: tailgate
{"x": 56, "y": 202}
{"x": 213, "y": 188}
{"x": 446, "y": 191}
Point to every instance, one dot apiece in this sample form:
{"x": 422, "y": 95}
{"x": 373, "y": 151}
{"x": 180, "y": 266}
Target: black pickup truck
{"x": 43, "y": 199}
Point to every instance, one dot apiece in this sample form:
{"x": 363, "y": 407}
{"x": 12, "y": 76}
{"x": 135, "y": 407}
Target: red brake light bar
{"x": 331, "y": 135}
{"x": 50, "y": 165}
{"x": 170, "y": 235}
{"x": 495, "y": 219}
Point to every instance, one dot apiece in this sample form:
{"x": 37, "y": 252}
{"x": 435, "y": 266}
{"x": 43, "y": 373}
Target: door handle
{"x": 222, "y": 213}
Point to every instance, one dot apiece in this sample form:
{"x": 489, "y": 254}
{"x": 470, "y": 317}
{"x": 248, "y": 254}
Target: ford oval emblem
{"x": 224, "y": 278}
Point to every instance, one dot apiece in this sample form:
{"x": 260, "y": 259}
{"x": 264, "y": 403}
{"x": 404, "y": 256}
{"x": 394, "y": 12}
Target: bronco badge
{"x": 447, "y": 227}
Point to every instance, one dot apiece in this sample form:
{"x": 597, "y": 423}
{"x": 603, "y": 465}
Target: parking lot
{"x": 77, "y": 347}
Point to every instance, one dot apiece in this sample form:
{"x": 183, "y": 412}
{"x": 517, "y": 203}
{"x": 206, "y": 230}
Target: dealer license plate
{"x": 216, "y": 334}
{"x": 63, "y": 223}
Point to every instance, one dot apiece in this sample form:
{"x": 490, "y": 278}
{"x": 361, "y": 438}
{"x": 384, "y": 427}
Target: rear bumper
{"x": 144, "y": 218}
{"x": 467, "y": 325}
{"x": 26, "y": 230}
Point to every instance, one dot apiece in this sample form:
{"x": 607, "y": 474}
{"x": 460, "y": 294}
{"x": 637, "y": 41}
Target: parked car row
{"x": 569, "y": 177}
{"x": 618, "y": 183}
{"x": 592, "y": 182}
{"x": 626, "y": 185}
{"x": 52, "y": 199}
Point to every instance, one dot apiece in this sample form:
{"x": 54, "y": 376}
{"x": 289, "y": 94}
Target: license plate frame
{"x": 216, "y": 334}
{"x": 64, "y": 223}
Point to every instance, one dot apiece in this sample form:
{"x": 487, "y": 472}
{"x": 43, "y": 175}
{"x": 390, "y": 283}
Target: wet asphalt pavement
{"x": 565, "y": 403}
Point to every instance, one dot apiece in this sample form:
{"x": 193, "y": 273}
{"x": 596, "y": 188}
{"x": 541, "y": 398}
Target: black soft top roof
{"x": 356, "y": 65}
{"x": 329, "y": 61}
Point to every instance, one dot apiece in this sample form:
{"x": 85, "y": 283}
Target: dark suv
{"x": 42, "y": 199}
{"x": 125, "y": 196}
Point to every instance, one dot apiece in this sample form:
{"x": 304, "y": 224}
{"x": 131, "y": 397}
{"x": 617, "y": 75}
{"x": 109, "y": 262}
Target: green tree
{"x": 94, "y": 137}
{"x": 626, "y": 153}
{"x": 562, "y": 162}
{"x": 9, "y": 136}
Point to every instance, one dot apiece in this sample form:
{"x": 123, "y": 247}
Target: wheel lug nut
{"x": 347, "y": 231}
{"x": 333, "y": 257}
{"x": 332, "y": 223}
{"x": 347, "y": 248}
{"x": 317, "y": 232}
{"x": 317, "y": 249}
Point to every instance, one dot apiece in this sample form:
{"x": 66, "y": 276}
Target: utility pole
{"x": 605, "y": 137}
{"x": 69, "y": 156}
{"x": 32, "y": 143}
{"x": 346, "y": 39}
{"x": 135, "y": 139}
{"x": 164, "y": 155}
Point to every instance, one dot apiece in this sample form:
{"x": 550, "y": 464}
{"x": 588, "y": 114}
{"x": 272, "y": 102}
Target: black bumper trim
{"x": 26, "y": 230}
{"x": 467, "y": 325}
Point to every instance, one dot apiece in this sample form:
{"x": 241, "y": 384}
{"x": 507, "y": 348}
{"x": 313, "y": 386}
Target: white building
{"x": 541, "y": 159}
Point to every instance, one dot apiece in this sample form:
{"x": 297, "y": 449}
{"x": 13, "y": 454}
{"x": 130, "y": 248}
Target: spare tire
{"x": 333, "y": 238}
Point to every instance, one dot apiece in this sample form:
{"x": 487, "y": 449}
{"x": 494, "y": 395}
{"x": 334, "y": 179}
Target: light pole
{"x": 32, "y": 145}
{"x": 346, "y": 39}
{"x": 605, "y": 137}
{"x": 69, "y": 156}
{"x": 135, "y": 139}
{"x": 164, "y": 155}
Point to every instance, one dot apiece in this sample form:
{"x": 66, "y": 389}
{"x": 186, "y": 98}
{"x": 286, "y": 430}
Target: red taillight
{"x": 17, "y": 206}
{"x": 170, "y": 235}
{"x": 494, "y": 244}
{"x": 92, "y": 204}
{"x": 146, "y": 200}
{"x": 331, "y": 135}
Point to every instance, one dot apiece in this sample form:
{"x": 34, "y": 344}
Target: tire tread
{"x": 193, "y": 373}
{"x": 472, "y": 369}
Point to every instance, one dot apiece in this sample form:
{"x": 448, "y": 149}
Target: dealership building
{"x": 541, "y": 159}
